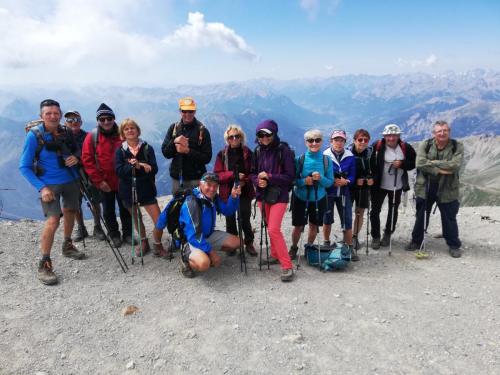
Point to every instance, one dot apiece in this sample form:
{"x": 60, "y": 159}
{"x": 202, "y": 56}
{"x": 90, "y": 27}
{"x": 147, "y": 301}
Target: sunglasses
{"x": 363, "y": 140}
{"x": 184, "y": 111}
{"x": 104, "y": 119}
{"x": 262, "y": 135}
{"x": 72, "y": 120}
{"x": 314, "y": 140}
{"x": 233, "y": 137}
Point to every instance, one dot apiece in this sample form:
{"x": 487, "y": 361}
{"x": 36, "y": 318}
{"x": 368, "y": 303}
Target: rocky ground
{"x": 384, "y": 315}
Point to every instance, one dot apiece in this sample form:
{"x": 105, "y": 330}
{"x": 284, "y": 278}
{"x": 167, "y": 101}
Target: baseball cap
{"x": 74, "y": 113}
{"x": 338, "y": 134}
{"x": 187, "y": 104}
{"x": 210, "y": 177}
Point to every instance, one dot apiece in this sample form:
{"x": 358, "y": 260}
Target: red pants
{"x": 274, "y": 217}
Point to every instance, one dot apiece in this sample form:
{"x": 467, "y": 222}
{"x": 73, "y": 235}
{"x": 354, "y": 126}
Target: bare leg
{"x": 348, "y": 236}
{"x": 358, "y": 220}
{"x": 327, "y": 229}
{"x": 313, "y": 231}
{"x": 199, "y": 261}
{"x": 69, "y": 221}
{"x": 296, "y": 234}
{"x": 49, "y": 230}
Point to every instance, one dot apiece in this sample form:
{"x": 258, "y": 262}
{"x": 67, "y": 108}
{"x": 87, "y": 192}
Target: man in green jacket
{"x": 438, "y": 164}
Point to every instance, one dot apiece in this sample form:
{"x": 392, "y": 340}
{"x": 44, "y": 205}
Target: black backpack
{"x": 173, "y": 210}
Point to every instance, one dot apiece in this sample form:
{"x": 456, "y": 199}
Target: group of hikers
{"x": 119, "y": 166}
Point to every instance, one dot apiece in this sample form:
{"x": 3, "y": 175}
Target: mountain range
{"x": 469, "y": 101}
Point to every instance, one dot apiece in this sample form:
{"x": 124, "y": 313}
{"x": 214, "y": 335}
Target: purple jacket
{"x": 281, "y": 174}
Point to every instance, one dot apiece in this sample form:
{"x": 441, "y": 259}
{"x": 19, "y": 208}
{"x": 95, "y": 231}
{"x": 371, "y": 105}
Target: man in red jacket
{"x": 98, "y": 158}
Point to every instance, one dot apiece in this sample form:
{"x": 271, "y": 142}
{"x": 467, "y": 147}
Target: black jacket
{"x": 200, "y": 154}
{"x": 377, "y": 162}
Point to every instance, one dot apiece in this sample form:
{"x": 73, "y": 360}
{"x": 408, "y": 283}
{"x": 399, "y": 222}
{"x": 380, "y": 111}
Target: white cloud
{"x": 200, "y": 34}
{"x": 329, "y": 67}
{"x": 431, "y": 60}
{"x": 313, "y": 7}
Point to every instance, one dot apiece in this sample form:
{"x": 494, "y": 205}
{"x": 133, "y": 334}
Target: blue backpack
{"x": 336, "y": 257}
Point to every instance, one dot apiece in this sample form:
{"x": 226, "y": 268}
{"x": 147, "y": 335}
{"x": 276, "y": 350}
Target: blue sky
{"x": 167, "y": 42}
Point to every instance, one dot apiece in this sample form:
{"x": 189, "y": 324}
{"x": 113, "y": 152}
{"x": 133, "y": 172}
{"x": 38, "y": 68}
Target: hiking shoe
{"x": 70, "y": 251}
{"x": 355, "y": 243}
{"x": 45, "y": 273}
{"x": 272, "y": 261}
{"x": 287, "y": 275}
{"x": 386, "y": 239}
{"x": 117, "y": 241}
{"x": 455, "y": 252}
{"x": 293, "y": 252}
{"x": 186, "y": 270}
{"x": 127, "y": 238}
{"x": 160, "y": 252}
{"x": 376, "y": 243}
{"x": 354, "y": 254}
{"x": 250, "y": 249}
{"x": 99, "y": 233}
{"x": 81, "y": 233}
{"x": 412, "y": 246}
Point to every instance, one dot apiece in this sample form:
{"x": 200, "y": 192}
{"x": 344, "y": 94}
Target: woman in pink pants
{"x": 273, "y": 173}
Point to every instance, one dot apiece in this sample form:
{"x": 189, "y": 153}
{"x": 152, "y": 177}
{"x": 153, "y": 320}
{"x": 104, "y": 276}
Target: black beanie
{"x": 104, "y": 110}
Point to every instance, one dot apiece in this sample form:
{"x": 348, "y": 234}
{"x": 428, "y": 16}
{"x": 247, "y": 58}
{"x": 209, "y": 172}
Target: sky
{"x": 171, "y": 42}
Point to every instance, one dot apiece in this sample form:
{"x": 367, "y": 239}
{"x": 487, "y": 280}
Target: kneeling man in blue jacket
{"x": 197, "y": 218}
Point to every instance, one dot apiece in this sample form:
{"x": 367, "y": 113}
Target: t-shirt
{"x": 391, "y": 174}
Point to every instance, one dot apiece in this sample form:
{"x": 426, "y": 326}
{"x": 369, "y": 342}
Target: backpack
{"x": 200, "y": 134}
{"x": 336, "y": 257}
{"x": 402, "y": 144}
{"x": 429, "y": 145}
{"x": 301, "y": 164}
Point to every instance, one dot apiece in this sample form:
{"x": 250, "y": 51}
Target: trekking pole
{"x": 392, "y": 208}
{"x": 368, "y": 196}
{"x": 136, "y": 211}
{"x": 422, "y": 251}
{"x": 306, "y": 216}
{"x": 263, "y": 228}
{"x": 315, "y": 186}
{"x": 116, "y": 252}
{"x": 243, "y": 260}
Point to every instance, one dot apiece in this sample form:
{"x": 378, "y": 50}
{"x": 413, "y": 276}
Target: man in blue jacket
{"x": 198, "y": 216}
{"x": 344, "y": 173}
{"x": 48, "y": 162}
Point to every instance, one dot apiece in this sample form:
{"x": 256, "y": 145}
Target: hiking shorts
{"x": 344, "y": 217}
{"x": 299, "y": 212}
{"x": 142, "y": 203}
{"x": 360, "y": 198}
{"x": 216, "y": 240}
{"x": 70, "y": 194}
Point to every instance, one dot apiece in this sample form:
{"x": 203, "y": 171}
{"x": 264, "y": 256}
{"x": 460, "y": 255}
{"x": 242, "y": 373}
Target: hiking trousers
{"x": 246, "y": 211}
{"x": 109, "y": 213}
{"x": 378, "y": 195}
{"x": 448, "y": 212}
{"x": 274, "y": 217}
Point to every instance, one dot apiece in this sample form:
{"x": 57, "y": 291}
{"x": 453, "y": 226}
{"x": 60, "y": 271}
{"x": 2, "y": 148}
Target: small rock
{"x": 191, "y": 335}
{"x": 350, "y": 305}
{"x": 455, "y": 295}
{"x": 63, "y": 356}
{"x": 75, "y": 271}
{"x": 336, "y": 295}
{"x": 131, "y": 365}
{"x": 236, "y": 326}
{"x": 299, "y": 366}
{"x": 295, "y": 338}
{"x": 129, "y": 310}
{"x": 427, "y": 292}
{"x": 160, "y": 363}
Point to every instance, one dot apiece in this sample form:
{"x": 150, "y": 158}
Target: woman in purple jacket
{"x": 273, "y": 173}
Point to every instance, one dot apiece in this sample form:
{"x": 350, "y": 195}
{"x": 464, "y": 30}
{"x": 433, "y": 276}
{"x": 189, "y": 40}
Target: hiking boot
{"x": 376, "y": 243}
{"x": 386, "y": 239}
{"x": 354, "y": 254}
{"x": 287, "y": 275}
{"x": 70, "y": 251}
{"x": 455, "y": 252}
{"x": 81, "y": 233}
{"x": 45, "y": 273}
{"x": 293, "y": 252}
{"x": 160, "y": 252}
{"x": 355, "y": 243}
{"x": 272, "y": 261}
{"x": 250, "y": 249}
{"x": 99, "y": 233}
{"x": 127, "y": 238}
{"x": 117, "y": 241}
{"x": 186, "y": 270}
{"x": 412, "y": 246}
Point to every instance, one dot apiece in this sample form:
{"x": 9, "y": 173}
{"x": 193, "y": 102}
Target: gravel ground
{"x": 383, "y": 315}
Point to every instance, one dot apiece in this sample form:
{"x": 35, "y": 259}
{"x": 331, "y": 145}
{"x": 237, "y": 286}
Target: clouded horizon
{"x": 155, "y": 43}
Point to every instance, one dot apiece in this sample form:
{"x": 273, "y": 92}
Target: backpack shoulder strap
{"x": 453, "y": 146}
{"x": 201, "y": 132}
{"x": 176, "y": 129}
{"x": 325, "y": 163}
{"x": 225, "y": 160}
{"x": 428, "y": 144}
{"x": 39, "y": 140}
{"x": 302, "y": 158}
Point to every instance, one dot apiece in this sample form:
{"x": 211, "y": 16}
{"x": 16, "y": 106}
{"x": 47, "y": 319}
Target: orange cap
{"x": 187, "y": 104}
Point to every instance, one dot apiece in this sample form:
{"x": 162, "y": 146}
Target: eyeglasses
{"x": 363, "y": 140}
{"x": 314, "y": 140}
{"x": 185, "y": 111}
{"x": 263, "y": 134}
{"x": 104, "y": 119}
{"x": 233, "y": 137}
{"x": 73, "y": 120}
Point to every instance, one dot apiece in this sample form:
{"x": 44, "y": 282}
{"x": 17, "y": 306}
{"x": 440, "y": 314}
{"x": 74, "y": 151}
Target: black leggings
{"x": 246, "y": 211}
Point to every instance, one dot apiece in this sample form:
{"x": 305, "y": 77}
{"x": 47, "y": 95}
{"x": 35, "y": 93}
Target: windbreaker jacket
{"x": 281, "y": 174}
{"x": 377, "y": 162}
{"x": 428, "y": 164}
{"x": 198, "y": 216}
{"x": 193, "y": 164}
{"x": 145, "y": 182}
{"x": 226, "y": 175}
{"x": 347, "y": 165}
{"x": 102, "y": 169}
{"x": 313, "y": 162}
